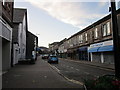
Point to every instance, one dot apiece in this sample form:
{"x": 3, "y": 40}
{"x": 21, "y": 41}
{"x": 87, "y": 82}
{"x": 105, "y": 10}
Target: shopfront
{"x": 83, "y": 53}
{"x": 102, "y": 52}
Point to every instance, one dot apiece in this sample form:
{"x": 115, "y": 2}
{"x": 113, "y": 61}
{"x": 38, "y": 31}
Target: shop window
{"x": 96, "y": 33}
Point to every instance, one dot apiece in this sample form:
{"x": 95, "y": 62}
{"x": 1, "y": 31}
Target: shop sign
{"x": 106, "y": 43}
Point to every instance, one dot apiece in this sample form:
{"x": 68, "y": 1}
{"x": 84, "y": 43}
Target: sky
{"x": 54, "y": 20}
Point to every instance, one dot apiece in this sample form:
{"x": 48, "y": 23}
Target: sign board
{"x": 105, "y": 43}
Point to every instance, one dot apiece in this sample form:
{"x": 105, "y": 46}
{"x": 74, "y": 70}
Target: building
{"x": 31, "y": 46}
{"x": 94, "y": 43}
{"x": 61, "y": 49}
{"x": 118, "y": 4}
{"x": 6, "y": 18}
{"x": 43, "y": 50}
{"x": 53, "y": 47}
{"x": 19, "y": 35}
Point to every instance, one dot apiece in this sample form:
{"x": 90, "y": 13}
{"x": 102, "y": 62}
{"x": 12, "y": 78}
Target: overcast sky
{"x": 53, "y": 21}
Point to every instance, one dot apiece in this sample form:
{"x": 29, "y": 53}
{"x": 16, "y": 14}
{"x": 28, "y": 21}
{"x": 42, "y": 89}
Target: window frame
{"x": 96, "y": 33}
{"x": 104, "y": 30}
{"x": 86, "y": 36}
{"x": 81, "y": 38}
{"x": 108, "y": 28}
{"x": 3, "y": 2}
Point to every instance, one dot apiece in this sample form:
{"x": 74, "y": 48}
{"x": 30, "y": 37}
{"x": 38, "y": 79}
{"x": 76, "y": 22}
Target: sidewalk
{"x": 101, "y": 65}
{"x": 39, "y": 75}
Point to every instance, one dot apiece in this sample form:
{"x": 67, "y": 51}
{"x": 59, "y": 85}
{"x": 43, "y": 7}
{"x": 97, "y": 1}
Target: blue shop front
{"x": 102, "y": 52}
{"x": 83, "y": 53}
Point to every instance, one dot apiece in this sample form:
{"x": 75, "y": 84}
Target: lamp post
{"x": 116, "y": 39}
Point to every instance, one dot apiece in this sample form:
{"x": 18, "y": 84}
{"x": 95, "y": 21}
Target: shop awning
{"x": 105, "y": 48}
{"x": 83, "y": 48}
{"x": 101, "y": 49}
{"x": 95, "y": 49}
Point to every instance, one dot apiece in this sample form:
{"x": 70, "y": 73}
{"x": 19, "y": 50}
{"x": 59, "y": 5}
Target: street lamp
{"x": 116, "y": 39}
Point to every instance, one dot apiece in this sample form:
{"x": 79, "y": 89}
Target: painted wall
{"x": 22, "y": 39}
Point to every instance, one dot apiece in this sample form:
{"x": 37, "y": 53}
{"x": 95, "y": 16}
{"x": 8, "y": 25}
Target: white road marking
{"x": 103, "y": 68}
{"x": 86, "y": 73}
{"x": 55, "y": 68}
{"x": 74, "y": 81}
{"x": 45, "y": 76}
{"x": 71, "y": 80}
{"x": 77, "y": 69}
{"x": 67, "y": 66}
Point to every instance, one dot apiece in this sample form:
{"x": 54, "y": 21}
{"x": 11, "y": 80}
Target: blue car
{"x": 53, "y": 59}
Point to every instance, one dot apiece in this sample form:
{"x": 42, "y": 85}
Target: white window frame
{"x": 108, "y": 28}
{"x": 86, "y": 37}
{"x": 104, "y": 29}
{"x": 3, "y": 2}
{"x": 96, "y": 33}
{"x": 81, "y": 38}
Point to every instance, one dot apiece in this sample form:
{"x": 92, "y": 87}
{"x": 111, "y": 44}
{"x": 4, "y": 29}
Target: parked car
{"x": 45, "y": 56}
{"x": 53, "y": 59}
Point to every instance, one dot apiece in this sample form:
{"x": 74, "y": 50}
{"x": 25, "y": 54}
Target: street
{"x": 39, "y": 75}
{"x": 65, "y": 74}
{"x": 79, "y": 71}
{"x": 81, "y": 38}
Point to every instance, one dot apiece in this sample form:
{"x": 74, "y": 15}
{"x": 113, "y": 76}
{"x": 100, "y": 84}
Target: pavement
{"x": 39, "y": 75}
{"x": 101, "y": 65}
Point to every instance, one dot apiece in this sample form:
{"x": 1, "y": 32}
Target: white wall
{"x": 22, "y": 39}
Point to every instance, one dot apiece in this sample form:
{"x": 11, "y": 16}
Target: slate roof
{"x": 18, "y": 15}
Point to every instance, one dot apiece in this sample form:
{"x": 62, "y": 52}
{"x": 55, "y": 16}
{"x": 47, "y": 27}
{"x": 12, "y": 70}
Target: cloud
{"x": 68, "y": 12}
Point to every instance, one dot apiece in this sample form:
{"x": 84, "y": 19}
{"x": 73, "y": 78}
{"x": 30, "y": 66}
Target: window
{"x": 81, "y": 38}
{"x": 106, "y": 29}
{"x": 3, "y": 2}
{"x": 96, "y": 33}
{"x": 86, "y": 37}
{"x": 23, "y": 50}
{"x": 19, "y": 50}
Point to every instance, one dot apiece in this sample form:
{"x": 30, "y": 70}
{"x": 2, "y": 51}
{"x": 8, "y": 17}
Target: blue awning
{"x": 101, "y": 49}
{"x": 95, "y": 49}
{"x": 83, "y": 48}
{"x": 106, "y": 48}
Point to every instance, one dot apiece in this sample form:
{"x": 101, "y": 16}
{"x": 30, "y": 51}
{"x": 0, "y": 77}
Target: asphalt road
{"x": 39, "y": 75}
{"x": 79, "y": 71}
